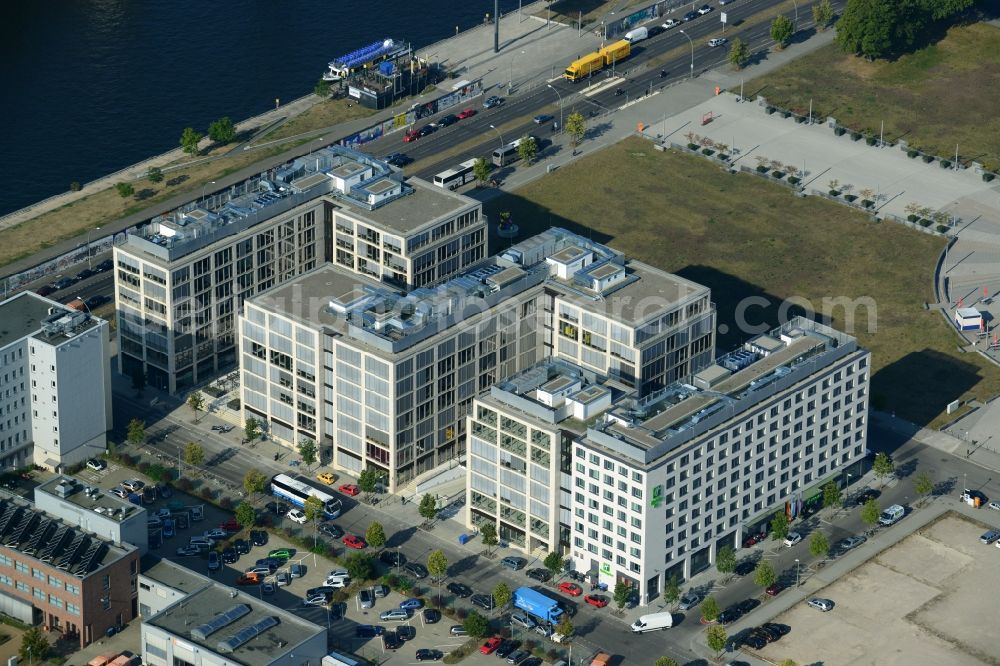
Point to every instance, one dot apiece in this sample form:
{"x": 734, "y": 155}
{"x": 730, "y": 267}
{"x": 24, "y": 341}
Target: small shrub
{"x": 769, "y": 110}
{"x": 839, "y": 131}
{"x": 707, "y": 151}
{"x": 785, "y": 114}
{"x": 462, "y": 613}
{"x": 793, "y": 180}
{"x": 912, "y": 218}
{"x": 925, "y": 222}
{"x": 762, "y": 169}
{"x": 945, "y": 164}
{"x": 850, "y": 198}
{"x": 226, "y": 503}
{"x": 987, "y": 177}
{"x": 143, "y": 467}
{"x": 834, "y": 193}
{"x": 207, "y": 493}
{"x": 867, "y": 203}
{"x": 942, "y": 228}
{"x": 871, "y": 141}
{"x": 778, "y": 174}
{"x": 184, "y": 484}
{"x": 928, "y": 158}
{"x": 855, "y": 136}
{"x": 911, "y": 153}
{"x": 692, "y": 146}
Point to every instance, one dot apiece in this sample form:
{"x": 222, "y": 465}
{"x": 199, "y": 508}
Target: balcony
{"x": 540, "y": 527}
{"x": 487, "y": 416}
{"x": 540, "y": 457}
{"x": 512, "y": 516}
{"x": 516, "y": 446}
{"x": 519, "y": 430}
{"x": 540, "y": 439}
{"x": 483, "y": 502}
{"x": 484, "y": 432}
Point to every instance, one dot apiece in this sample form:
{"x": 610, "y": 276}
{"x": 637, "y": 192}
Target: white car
{"x": 792, "y": 539}
{"x": 162, "y": 514}
{"x": 717, "y": 41}
{"x": 670, "y": 23}
{"x": 705, "y": 9}
{"x": 216, "y": 533}
{"x": 133, "y": 485}
{"x": 297, "y": 516}
{"x": 96, "y": 464}
{"x": 121, "y": 493}
{"x": 994, "y": 505}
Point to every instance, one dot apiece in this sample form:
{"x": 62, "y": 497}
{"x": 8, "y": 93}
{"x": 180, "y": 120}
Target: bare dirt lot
{"x": 930, "y": 599}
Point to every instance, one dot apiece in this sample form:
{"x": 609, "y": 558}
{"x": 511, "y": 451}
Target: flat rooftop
{"x": 306, "y": 299}
{"x": 75, "y": 492}
{"x": 42, "y": 538}
{"x": 427, "y": 204}
{"x": 27, "y": 314}
{"x": 263, "y": 645}
{"x": 171, "y": 575}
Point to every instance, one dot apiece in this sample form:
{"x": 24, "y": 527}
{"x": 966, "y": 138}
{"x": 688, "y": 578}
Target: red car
{"x": 349, "y": 489}
{"x": 411, "y": 135}
{"x": 352, "y": 541}
{"x": 774, "y": 589}
{"x": 572, "y": 589}
{"x": 596, "y": 600}
{"x": 490, "y": 646}
{"x": 753, "y": 539}
{"x": 466, "y": 113}
{"x": 230, "y": 525}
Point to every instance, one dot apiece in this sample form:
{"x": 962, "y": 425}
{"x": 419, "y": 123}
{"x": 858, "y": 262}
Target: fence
{"x": 53, "y": 266}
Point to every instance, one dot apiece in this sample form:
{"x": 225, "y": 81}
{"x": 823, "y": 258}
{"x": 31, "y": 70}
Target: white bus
{"x": 454, "y": 178}
{"x": 508, "y": 154}
{"x": 297, "y": 492}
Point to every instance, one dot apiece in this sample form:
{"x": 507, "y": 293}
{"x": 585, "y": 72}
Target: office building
{"x": 218, "y": 625}
{"x": 652, "y": 486}
{"x": 55, "y": 394}
{"x": 70, "y": 580}
{"x": 94, "y": 510}
{"x": 181, "y": 278}
{"x": 162, "y": 583}
{"x": 385, "y": 377}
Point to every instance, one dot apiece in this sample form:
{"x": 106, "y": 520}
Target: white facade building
{"x": 55, "y": 397}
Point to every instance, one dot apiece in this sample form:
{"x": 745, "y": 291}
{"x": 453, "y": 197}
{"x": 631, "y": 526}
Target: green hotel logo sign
{"x": 606, "y": 568}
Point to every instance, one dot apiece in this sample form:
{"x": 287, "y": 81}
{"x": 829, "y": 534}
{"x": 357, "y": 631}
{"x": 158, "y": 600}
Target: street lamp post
{"x": 510, "y": 73}
{"x": 89, "y": 257}
{"x": 692, "y": 51}
{"x": 796, "y": 572}
{"x": 549, "y": 85}
{"x": 211, "y": 182}
{"x": 795, "y": 23}
{"x": 493, "y": 127}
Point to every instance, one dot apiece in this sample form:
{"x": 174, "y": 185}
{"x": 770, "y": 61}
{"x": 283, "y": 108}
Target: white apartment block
{"x": 181, "y": 279}
{"x": 649, "y": 487}
{"x": 386, "y": 377}
{"x": 55, "y": 394}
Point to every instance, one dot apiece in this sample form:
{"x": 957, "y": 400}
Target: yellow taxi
{"x": 326, "y": 477}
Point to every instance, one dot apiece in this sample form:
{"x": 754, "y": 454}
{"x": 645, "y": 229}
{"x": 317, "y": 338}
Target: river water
{"x": 92, "y": 86}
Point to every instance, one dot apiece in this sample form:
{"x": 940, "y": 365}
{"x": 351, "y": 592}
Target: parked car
{"x": 282, "y": 579}
{"x": 690, "y": 16}
{"x": 447, "y": 120}
{"x": 994, "y": 505}
{"x": 352, "y": 541}
{"x": 457, "y": 630}
{"x": 484, "y": 601}
{"x": 215, "y": 533}
{"x": 747, "y": 605}
{"x": 755, "y": 641}
{"x": 466, "y": 113}
{"x": 368, "y": 631}
{"x": 278, "y": 508}
{"x": 729, "y": 615}
{"x": 774, "y": 590}
{"x": 326, "y": 477}
{"x": 865, "y": 495}
{"x": 249, "y": 578}
{"x": 821, "y": 604}
{"x": 393, "y": 558}
{"x": 214, "y": 562}
{"x": 492, "y": 101}
{"x": 282, "y": 554}
{"x": 229, "y": 555}
{"x": 296, "y": 570}
{"x": 258, "y": 537}
{"x": 541, "y": 575}
{"x": 491, "y": 645}
{"x": 230, "y": 525}
{"x": 431, "y": 616}
{"x": 242, "y": 546}
{"x": 133, "y": 485}
{"x": 541, "y": 119}
{"x": 506, "y": 648}
{"x": 670, "y": 23}
{"x": 331, "y": 530}
{"x": 97, "y": 464}
{"x": 689, "y": 600}
{"x": 780, "y": 629}
{"x": 397, "y": 614}
{"x": 851, "y": 542}
{"x": 297, "y": 516}
{"x": 517, "y": 656}
{"x": 317, "y": 599}
{"x": 989, "y": 537}
{"x": 366, "y": 599}
{"x": 120, "y": 493}
{"x": 572, "y": 589}
{"x": 752, "y": 539}
{"x": 513, "y": 563}
{"x": 416, "y": 570}
{"x": 426, "y": 654}
{"x": 459, "y": 590}
{"x": 597, "y": 600}
{"x": 406, "y": 632}
{"x": 745, "y": 567}
{"x": 411, "y": 604}
{"x": 188, "y": 551}
{"x": 792, "y": 539}
{"x": 349, "y": 489}
{"x": 705, "y": 9}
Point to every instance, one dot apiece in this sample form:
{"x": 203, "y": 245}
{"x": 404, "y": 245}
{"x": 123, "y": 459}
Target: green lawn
{"x": 744, "y": 237}
{"x": 940, "y": 97}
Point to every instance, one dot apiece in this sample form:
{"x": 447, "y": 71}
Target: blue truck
{"x": 537, "y": 604}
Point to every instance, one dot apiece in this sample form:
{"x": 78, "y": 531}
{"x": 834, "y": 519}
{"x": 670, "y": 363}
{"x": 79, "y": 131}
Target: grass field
{"x": 745, "y": 237}
{"x": 324, "y": 114}
{"x": 940, "y": 97}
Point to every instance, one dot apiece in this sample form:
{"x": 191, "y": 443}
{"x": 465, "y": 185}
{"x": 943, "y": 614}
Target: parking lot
{"x": 923, "y": 601}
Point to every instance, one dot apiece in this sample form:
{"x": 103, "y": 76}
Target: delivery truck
{"x": 652, "y": 622}
{"x": 607, "y": 56}
{"x": 636, "y": 35}
{"x": 538, "y": 604}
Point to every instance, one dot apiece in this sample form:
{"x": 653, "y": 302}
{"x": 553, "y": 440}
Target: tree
{"x": 876, "y": 28}
{"x": 779, "y": 526}
{"x": 488, "y": 533}
{"x": 481, "y": 169}
{"x": 527, "y": 149}
{"x": 883, "y": 466}
{"x": 254, "y": 481}
{"x": 782, "y": 30}
{"x": 368, "y": 480}
{"x": 322, "y": 88}
{"x": 222, "y": 130}
{"x": 124, "y": 189}
{"x": 716, "y": 638}
{"x": 476, "y": 625}
{"x": 819, "y": 545}
{"x": 576, "y": 127}
{"x": 622, "y": 593}
{"x": 75, "y": 186}
{"x": 437, "y": 564}
{"x": 155, "y": 174}
{"x": 672, "y": 590}
{"x": 710, "y": 609}
{"x": 375, "y": 535}
{"x": 194, "y": 455}
{"x": 725, "y": 560}
{"x": 764, "y": 575}
{"x": 307, "y": 450}
{"x": 251, "y": 429}
{"x": 739, "y": 53}
{"x": 822, "y": 14}
{"x": 136, "y": 432}
{"x": 246, "y": 515}
{"x": 196, "y": 401}
{"x": 870, "y": 512}
{"x": 34, "y": 646}
{"x": 665, "y": 661}
{"x": 502, "y": 595}
{"x": 359, "y": 566}
{"x": 190, "y": 140}
{"x": 313, "y": 508}
{"x": 554, "y": 563}
{"x": 923, "y": 484}
{"x": 565, "y": 626}
{"x": 831, "y": 494}
{"x": 428, "y": 507}
{"x": 788, "y": 662}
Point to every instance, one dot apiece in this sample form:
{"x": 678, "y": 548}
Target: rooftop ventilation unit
{"x": 202, "y": 632}
{"x": 230, "y": 644}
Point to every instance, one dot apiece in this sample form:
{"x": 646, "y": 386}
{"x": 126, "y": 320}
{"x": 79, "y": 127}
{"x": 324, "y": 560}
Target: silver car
{"x": 395, "y": 614}
{"x": 366, "y": 599}
{"x": 689, "y": 600}
{"x": 990, "y": 537}
{"x": 821, "y": 604}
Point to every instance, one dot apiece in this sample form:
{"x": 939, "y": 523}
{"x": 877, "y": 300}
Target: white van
{"x": 891, "y": 515}
{"x": 202, "y": 542}
{"x": 637, "y": 35}
{"x": 652, "y": 622}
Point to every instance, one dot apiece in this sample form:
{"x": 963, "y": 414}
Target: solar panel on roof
{"x": 202, "y": 632}
{"x": 71, "y": 554}
{"x": 248, "y": 633}
{"x": 55, "y": 543}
